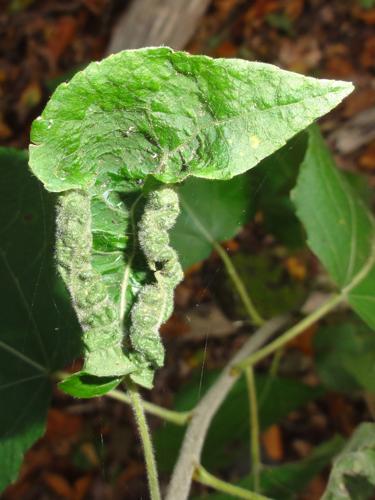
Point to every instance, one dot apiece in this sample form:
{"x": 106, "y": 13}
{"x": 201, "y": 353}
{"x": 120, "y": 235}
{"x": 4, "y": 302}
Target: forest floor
{"x": 91, "y": 449}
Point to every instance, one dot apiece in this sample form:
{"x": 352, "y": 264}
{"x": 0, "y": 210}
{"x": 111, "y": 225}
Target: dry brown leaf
{"x": 296, "y": 268}
{"x": 90, "y": 453}
{"x": 273, "y": 443}
{"x": 304, "y": 341}
{"x": 358, "y": 101}
{"x": 339, "y": 67}
{"x": 60, "y": 35}
{"x": 368, "y": 53}
{"x": 300, "y": 55}
{"x": 5, "y": 131}
{"x": 294, "y": 8}
{"x": 174, "y": 327}
{"x": 260, "y": 8}
{"x": 341, "y": 413}
{"x": 30, "y": 97}
{"x": 226, "y": 49}
{"x": 367, "y": 159}
{"x": 81, "y": 487}
{"x": 365, "y": 15}
{"x": 58, "y": 485}
{"x": 61, "y": 425}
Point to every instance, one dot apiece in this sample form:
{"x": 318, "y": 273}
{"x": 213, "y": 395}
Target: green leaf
{"x": 353, "y": 473}
{"x": 272, "y": 291}
{"x": 285, "y": 481}
{"x": 170, "y": 114}
{"x": 140, "y": 114}
{"x": 340, "y": 228}
{"x": 210, "y": 211}
{"x": 230, "y": 427}
{"x": 345, "y": 357}
{"x": 367, "y": 4}
{"x": 88, "y": 386}
{"x": 38, "y": 330}
{"x": 272, "y": 182}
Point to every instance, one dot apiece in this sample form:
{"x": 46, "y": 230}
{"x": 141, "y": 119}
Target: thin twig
{"x": 206, "y": 409}
{"x": 291, "y": 333}
{"x": 254, "y": 427}
{"x": 204, "y": 477}
{"x": 251, "y": 310}
{"x": 238, "y": 284}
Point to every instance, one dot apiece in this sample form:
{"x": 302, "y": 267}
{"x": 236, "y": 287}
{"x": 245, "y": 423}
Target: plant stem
{"x": 231, "y": 270}
{"x": 239, "y": 285}
{"x": 254, "y": 427}
{"x": 204, "y": 412}
{"x": 291, "y": 333}
{"x": 274, "y": 368}
{"x": 144, "y": 433}
{"x": 202, "y": 476}
{"x": 175, "y": 417}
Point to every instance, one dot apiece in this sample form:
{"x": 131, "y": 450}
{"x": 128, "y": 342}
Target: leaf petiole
{"x": 291, "y": 333}
{"x": 174, "y": 417}
{"x": 144, "y": 434}
{"x": 201, "y": 475}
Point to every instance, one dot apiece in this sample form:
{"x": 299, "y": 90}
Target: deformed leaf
{"x": 340, "y": 228}
{"x": 38, "y": 330}
{"x": 160, "y": 114}
{"x": 353, "y": 473}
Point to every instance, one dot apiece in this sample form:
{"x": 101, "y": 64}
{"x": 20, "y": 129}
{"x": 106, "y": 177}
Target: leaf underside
{"x": 166, "y": 115}
{"x": 38, "y": 332}
{"x": 353, "y": 473}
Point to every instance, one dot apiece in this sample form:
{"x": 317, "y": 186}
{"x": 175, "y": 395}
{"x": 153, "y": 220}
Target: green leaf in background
{"x": 38, "y": 330}
{"x": 353, "y": 473}
{"x": 340, "y": 228}
{"x": 285, "y": 481}
{"x": 367, "y": 4}
{"x": 270, "y": 287}
{"x": 272, "y": 182}
{"x": 345, "y": 357}
{"x": 230, "y": 427}
{"x": 210, "y": 211}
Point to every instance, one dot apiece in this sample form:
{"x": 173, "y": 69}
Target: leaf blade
{"x": 38, "y": 332}
{"x": 178, "y": 115}
{"x": 340, "y": 229}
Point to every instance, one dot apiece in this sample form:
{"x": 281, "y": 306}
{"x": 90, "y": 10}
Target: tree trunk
{"x": 149, "y": 23}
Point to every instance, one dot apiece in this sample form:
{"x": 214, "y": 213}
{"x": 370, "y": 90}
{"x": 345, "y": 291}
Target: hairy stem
{"x": 206, "y": 409}
{"x": 175, "y": 417}
{"x": 202, "y": 476}
{"x": 291, "y": 333}
{"x": 231, "y": 270}
{"x": 144, "y": 433}
{"x": 254, "y": 427}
